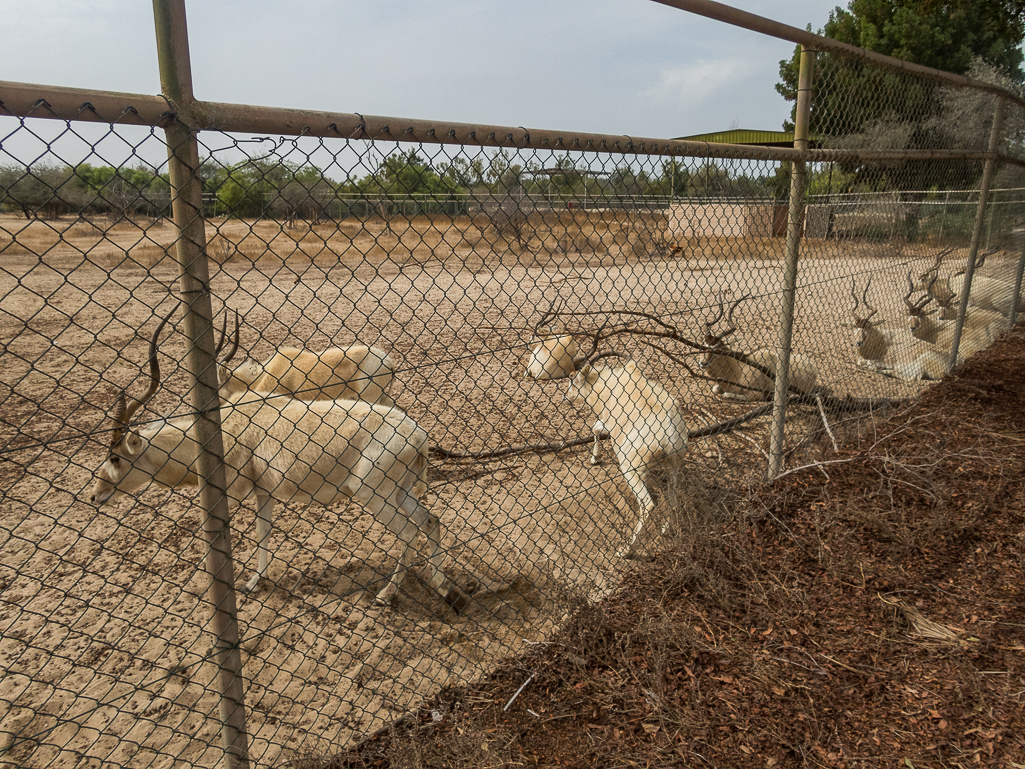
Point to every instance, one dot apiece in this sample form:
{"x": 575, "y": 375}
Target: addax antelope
{"x": 287, "y": 450}
{"x": 645, "y": 422}
{"x": 735, "y": 378}
{"x": 356, "y": 372}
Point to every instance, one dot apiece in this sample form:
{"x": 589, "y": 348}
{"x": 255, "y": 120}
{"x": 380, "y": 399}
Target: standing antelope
{"x": 645, "y": 422}
{"x": 356, "y": 372}
{"x": 735, "y": 378}
{"x": 279, "y": 448}
{"x": 894, "y": 352}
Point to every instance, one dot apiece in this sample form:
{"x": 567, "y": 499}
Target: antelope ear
{"x": 133, "y": 444}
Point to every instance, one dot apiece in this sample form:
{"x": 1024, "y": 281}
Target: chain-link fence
{"x": 389, "y": 297}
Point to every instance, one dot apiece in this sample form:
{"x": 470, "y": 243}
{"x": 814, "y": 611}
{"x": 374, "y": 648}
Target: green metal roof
{"x": 748, "y": 136}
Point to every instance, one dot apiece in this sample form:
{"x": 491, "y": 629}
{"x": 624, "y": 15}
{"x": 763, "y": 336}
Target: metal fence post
{"x": 194, "y": 281}
{"x": 795, "y": 220}
{"x": 980, "y": 222}
{"x": 1013, "y": 317}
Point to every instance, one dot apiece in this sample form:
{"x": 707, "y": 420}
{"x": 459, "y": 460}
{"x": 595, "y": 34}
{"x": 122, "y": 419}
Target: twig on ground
{"x": 825, "y": 422}
{"x": 517, "y": 694}
{"x": 816, "y": 465}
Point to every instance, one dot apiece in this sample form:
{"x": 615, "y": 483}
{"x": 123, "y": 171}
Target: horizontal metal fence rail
{"x": 38, "y": 101}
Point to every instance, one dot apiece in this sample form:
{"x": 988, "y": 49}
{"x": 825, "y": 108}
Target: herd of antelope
{"x": 919, "y": 347}
{"x": 322, "y": 427}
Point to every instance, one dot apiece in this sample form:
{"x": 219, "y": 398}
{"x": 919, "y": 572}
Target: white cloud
{"x": 695, "y": 84}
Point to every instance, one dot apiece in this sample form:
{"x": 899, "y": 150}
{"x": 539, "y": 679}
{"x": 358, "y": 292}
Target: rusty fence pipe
{"x": 980, "y": 222}
{"x": 795, "y": 222}
{"x": 59, "y": 103}
{"x": 194, "y": 282}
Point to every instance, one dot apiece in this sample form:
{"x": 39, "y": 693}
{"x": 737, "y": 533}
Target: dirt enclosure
{"x": 106, "y": 644}
{"x": 863, "y": 613}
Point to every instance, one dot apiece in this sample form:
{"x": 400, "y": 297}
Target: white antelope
{"x": 987, "y": 293}
{"x": 279, "y": 448}
{"x": 645, "y": 422}
{"x": 734, "y": 378}
{"x": 356, "y": 372}
{"x": 894, "y": 352}
{"x": 552, "y": 356}
{"x": 981, "y": 327}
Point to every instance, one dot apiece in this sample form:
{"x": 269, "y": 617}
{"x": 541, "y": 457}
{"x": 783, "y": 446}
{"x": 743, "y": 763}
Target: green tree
{"x": 858, "y": 105}
{"x": 42, "y": 191}
{"x": 119, "y": 191}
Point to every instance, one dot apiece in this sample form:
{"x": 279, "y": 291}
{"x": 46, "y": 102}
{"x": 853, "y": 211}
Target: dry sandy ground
{"x": 105, "y": 639}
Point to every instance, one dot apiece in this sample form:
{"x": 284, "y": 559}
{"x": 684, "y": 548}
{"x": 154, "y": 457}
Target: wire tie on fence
{"x": 361, "y": 128}
{"x": 522, "y": 687}
{"x": 43, "y": 103}
{"x": 526, "y": 135}
{"x": 87, "y": 106}
{"x": 129, "y": 110}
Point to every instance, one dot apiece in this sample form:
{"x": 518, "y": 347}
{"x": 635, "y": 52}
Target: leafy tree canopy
{"x": 861, "y": 105}
{"x": 944, "y": 34}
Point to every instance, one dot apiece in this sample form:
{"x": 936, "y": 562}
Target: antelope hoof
{"x": 252, "y": 584}
{"x": 627, "y": 551}
{"x": 384, "y": 598}
{"x": 457, "y": 599}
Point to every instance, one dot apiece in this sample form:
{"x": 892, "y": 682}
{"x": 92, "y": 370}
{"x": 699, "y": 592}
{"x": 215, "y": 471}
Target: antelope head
{"x": 715, "y": 341}
{"x": 582, "y": 386}
{"x": 552, "y": 356}
{"x": 862, "y": 325}
{"x": 930, "y": 275}
{"x": 223, "y": 372}
{"x": 947, "y": 309}
{"x": 916, "y": 309}
{"x": 118, "y": 471}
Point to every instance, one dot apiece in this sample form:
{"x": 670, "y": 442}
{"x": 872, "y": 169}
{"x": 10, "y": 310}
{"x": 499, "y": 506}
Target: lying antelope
{"x": 986, "y": 293}
{"x": 356, "y": 372}
{"x": 981, "y": 327}
{"x": 894, "y": 352}
{"x": 737, "y": 380}
{"x": 552, "y": 356}
{"x": 279, "y": 448}
{"x": 645, "y": 422}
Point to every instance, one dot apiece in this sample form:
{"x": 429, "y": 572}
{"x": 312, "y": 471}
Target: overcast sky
{"x": 602, "y": 66}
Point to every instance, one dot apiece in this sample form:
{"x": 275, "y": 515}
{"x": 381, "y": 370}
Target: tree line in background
{"x": 274, "y": 188}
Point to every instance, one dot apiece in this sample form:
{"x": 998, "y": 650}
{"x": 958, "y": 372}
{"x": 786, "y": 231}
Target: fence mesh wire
{"x": 452, "y": 261}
